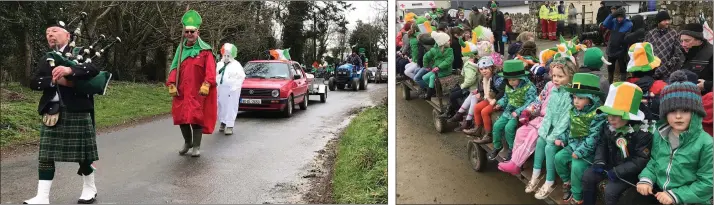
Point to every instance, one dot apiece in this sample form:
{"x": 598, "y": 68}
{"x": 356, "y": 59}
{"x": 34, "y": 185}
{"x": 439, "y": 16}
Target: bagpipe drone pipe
{"x": 79, "y": 55}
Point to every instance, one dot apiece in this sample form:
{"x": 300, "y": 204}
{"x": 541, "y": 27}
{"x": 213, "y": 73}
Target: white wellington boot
{"x": 89, "y": 190}
{"x": 43, "y": 193}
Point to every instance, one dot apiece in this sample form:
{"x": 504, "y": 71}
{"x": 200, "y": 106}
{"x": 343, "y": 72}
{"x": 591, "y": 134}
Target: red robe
{"x": 190, "y": 107}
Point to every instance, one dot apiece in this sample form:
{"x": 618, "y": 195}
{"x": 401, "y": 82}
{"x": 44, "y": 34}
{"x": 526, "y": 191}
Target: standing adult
{"x": 698, "y": 55}
{"x": 619, "y": 26}
{"x": 498, "y": 25}
{"x": 666, "y": 46}
{"x": 461, "y": 20}
{"x": 229, "y": 77}
{"x": 572, "y": 19}
{"x": 192, "y": 84}
{"x": 476, "y": 18}
{"x": 67, "y": 133}
{"x": 562, "y": 16}
{"x": 543, "y": 16}
{"x": 552, "y": 21}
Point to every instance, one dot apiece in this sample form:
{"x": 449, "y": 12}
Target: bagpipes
{"x": 79, "y": 55}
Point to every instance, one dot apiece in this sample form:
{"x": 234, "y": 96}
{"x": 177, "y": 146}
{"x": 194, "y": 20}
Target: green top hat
{"x": 361, "y": 50}
{"x": 585, "y": 83}
{"x": 513, "y": 69}
{"x": 191, "y": 20}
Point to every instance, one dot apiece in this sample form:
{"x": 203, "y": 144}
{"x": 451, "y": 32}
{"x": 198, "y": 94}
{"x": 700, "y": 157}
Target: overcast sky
{"x": 363, "y": 11}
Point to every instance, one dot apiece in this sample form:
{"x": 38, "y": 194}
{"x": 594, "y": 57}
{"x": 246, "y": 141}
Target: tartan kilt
{"x": 72, "y": 139}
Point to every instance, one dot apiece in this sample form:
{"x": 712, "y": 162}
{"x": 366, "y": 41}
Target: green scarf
{"x": 191, "y": 51}
{"x": 221, "y": 72}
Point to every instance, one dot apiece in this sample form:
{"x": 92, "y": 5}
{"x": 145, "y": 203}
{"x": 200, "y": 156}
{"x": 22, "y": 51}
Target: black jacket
{"x": 456, "y": 47}
{"x": 355, "y": 60}
{"x": 699, "y": 60}
{"x": 639, "y": 144}
{"x": 637, "y": 34}
{"x": 500, "y": 22}
{"x": 71, "y": 100}
{"x": 602, "y": 13}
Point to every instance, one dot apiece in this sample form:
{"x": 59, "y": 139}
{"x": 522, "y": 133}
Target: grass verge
{"x": 124, "y": 102}
{"x": 360, "y": 173}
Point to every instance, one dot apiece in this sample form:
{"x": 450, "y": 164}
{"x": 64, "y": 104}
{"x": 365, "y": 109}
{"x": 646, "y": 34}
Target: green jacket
{"x": 443, "y": 60}
{"x": 685, "y": 173}
{"x": 414, "y": 46}
{"x": 557, "y": 119}
{"x": 506, "y": 102}
{"x": 587, "y": 119}
{"x": 471, "y": 75}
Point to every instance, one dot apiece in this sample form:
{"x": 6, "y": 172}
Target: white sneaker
{"x": 544, "y": 191}
{"x": 43, "y": 193}
{"x": 89, "y": 190}
{"x": 532, "y": 185}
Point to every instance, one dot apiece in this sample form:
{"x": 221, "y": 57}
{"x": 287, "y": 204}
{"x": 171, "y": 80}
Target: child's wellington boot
{"x": 464, "y": 125}
{"x": 509, "y": 167}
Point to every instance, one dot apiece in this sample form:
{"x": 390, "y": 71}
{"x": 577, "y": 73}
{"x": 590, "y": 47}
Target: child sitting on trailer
{"x": 580, "y": 142}
{"x": 623, "y": 149}
{"x": 519, "y": 93}
{"x": 681, "y": 156}
{"x": 554, "y": 124}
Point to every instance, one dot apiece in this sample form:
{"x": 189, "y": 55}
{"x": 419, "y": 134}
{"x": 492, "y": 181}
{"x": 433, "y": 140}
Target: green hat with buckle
{"x": 585, "y": 83}
{"x": 191, "y": 20}
{"x": 513, "y": 69}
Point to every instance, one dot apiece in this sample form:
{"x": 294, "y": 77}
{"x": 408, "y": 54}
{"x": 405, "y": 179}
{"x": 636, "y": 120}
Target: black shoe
{"x": 493, "y": 154}
{"x": 508, "y": 155}
{"x": 429, "y": 93}
{"x": 567, "y": 195}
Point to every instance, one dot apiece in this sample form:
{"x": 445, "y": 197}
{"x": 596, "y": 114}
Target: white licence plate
{"x": 250, "y": 101}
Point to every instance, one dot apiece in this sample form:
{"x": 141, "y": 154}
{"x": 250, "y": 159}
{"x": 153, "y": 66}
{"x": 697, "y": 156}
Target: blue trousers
{"x": 419, "y": 80}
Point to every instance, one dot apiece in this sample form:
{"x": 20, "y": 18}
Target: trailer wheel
{"x": 439, "y": 123}
{"x": 406, "y": 92}
{"x": 477, "y": 156}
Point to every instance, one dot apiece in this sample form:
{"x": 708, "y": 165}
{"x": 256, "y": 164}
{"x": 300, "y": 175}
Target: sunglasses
{"x": 190, "y": 32}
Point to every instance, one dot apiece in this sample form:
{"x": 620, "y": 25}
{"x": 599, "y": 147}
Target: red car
{"x": 274, "y": 85}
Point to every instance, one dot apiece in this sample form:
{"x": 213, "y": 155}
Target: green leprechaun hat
{"x": 361, "y": 50}
{"x": 624, "y": 100}
{"x": 191, "y": 20}
{"x": 642, "y": 59}
{"x": 585, "y": 83}
{"x": 513, "y": 69}
{"x": 594, "y": 59}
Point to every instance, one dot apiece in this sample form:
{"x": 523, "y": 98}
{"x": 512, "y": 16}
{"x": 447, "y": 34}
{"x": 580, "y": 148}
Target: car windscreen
{"x": 266, "y": 70}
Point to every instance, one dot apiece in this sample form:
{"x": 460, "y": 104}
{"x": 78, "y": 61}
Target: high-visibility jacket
{"x": 543, "y": 14}
{"x": 553, "y": 14}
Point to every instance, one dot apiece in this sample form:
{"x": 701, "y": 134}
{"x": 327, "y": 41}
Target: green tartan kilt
{"x": 72, "y": 139}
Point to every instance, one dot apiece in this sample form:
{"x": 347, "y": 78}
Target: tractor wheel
{"x": 323, "y": 97}
{"x": 439, "y": 123}
{"x": 355, "y": 84}
{"x": 331, "y": 84}
{"x": 363, "y": 81}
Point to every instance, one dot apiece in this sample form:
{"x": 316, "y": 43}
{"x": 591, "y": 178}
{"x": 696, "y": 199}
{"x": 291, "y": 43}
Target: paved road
{"x": 263, "y": 162}
{"x": 433, "y": 168}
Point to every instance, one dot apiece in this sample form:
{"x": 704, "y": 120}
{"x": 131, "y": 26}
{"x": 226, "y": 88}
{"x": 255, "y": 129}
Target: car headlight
{"x": 275, "y": 93}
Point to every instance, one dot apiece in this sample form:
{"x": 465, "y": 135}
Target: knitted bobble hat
{"x": 661, "y": 16}
{"x": 680, "y": 94}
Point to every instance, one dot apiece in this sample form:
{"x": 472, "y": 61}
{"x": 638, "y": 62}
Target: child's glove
{"x": 172, "y": 90}
{"x": 611, "y": 175}
{"x": 524, "y": 117}
{"x": 598, "y": 168}
{"x": 204, "y": 89}
{"x": 435, "y": 70}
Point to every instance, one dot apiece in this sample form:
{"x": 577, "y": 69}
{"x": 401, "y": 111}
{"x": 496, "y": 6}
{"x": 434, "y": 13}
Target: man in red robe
{"x": 192, "y": 84}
